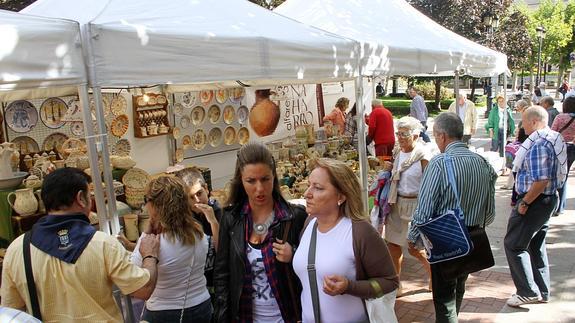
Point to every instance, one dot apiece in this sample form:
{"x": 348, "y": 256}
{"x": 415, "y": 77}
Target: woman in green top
{"x": 495, "y": 124}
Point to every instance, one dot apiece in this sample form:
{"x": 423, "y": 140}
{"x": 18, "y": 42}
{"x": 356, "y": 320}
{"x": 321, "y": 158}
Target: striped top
{"x": 475, "y": 179}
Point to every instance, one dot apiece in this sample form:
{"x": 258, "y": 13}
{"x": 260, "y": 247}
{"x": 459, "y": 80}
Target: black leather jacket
{"x": 230, "y": 263}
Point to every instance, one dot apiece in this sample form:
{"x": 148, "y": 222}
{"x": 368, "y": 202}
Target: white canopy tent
{"x": 397, "y": 39}
{"x": 42, "y": 57}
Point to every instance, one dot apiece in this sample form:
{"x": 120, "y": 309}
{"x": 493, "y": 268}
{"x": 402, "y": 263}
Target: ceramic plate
{"x": 153, "y": 100}
{"x": 186, "y": 141}
{"x": 122, "y": 148}
{"x": 176, "y": 133}
{"x": 237, "y": 94}
{"x": 178, "y": 109}
{"x": 198, "y": 115}
{"x": 214, "y": 114}
{"x": 215, "y": 137}
{"x": 229, "y": 114}
{"x": 21, "y": 116}
{"x": 229, "y": 136}
{"x": 222, "y": 95}
{"x": 136, "y": 178}
{"x": 161, "y": 99}
{"x": 179, "y": 155}
{"x": 189, "y": 99}
{"x": 54, "y": 141}
{"x": 74, "y": 112}
{"x": 199, "y": 140}
{"x": 243, "y": 114}
{"x": 243, "y": 136}
{"x": 26, "y": 145}
{"x": 105, "y": 102}
{"x": 185, "y": 122}
{"x": 120, "y": 125}
{"x": 206, "y": 96}
{"x": 77, "y": 128}
{"x": 52, "y": 112}
{"x": 118, "y": 105}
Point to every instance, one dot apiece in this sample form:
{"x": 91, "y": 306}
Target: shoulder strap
{"x": 30, "y": 277}
{"x": 567, "y": 125}
{"x": 451, "y": 177}
{"x": 312, "y": 275}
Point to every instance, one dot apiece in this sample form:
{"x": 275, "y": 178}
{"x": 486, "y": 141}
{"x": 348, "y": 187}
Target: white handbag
{"x": 382, "y": 309}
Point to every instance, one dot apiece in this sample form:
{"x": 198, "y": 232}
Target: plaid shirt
{"x": 350, "y": 126}
{"x": 246, "y": 310}
{"x": 540, "y": 164}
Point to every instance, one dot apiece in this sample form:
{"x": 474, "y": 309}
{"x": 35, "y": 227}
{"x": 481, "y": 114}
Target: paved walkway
{"x": 487, "y": 291}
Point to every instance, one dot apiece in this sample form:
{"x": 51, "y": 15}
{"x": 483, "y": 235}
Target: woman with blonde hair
{"x": 181, "y": 287}
{"x": 410, "y": 157}
{"x": 360, "y": 269}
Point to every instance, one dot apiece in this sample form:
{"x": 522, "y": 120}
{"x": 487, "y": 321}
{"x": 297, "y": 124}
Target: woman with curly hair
{"x": 181, "y": 291}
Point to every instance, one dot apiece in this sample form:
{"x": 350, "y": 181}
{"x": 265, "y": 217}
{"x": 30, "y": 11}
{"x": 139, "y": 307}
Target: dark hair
{"x": 191, "y": 175}
{"x": 537, "y": 91}
{"x": 521, "y": 135}
{"x": 353, "y": 110}
{"x": 250, "y": 154}
{"x": 569, "y": 104}
{"x": 450, "y": 124}
{"x": 61, "y": 187}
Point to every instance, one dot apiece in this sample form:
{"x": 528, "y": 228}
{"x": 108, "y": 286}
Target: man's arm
{"x": 149, "y": 249}
{"x": 9, "y": 292}
{"x": 428, "y": 196}
{"x": 539, "y": 168}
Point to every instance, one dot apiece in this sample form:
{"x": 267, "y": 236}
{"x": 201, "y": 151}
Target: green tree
{"x": 268, "y": 4}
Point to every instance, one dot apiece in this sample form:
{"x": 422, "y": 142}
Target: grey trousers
{"x": 525, "y": 247}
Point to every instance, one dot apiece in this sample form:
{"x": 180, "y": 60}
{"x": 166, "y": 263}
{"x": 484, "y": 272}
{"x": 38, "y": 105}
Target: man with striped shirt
{"x": 541, "y": 169}
{"x": 475, "y": 180}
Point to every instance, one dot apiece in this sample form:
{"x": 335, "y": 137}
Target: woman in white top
{"x": 181, "y": 285}
{"x": 410, "y": 160}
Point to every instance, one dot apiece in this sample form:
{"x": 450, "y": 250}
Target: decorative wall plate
{"x": 186, "y": 142}
{"x": 243, "y": 136}
{"x": 178, "y": 109}
{"x": 176, "y": 133}
{"x": 54, "y": 141}
{"x": 21, "y": 116}
{"x": 52, "y": 111}
{"x": 237, "y": 94}
{"x": 189, "y": 99}
{"x": 118, "y": 105}
{"x": 120, "y": 125}
{"x": 214, "y": 114}
{"x": 222, "y": 95}
{"x": 229, "y": 136}
{"x": 122, "y": 148}
{"x": 152, "y": 100}
{"x": 26, "y": 145}
{"x": 243, "y": 114}
{"x": 161, "y": 99}
{"x": 77, "y": 128}
{"x": 229, "y": 114}
{"x": 185, "y": 122}
{"x": 206, "y": 96}
{"x": 136, "y": 178}
{"x": 215, "y": 137}
{"x": 74, "y": 112}
{"x": 179, "y": 155}
{"x": 199, "y": 140}
{"x": 106, "y": 107}
{"x": 198, "y": 115}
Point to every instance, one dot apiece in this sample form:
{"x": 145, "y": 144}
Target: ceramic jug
{"x": 15, "y": 159}
{"x": 6, "y": 161}
{"x": 41, "y": 207}
{"x": 25, "y": 202}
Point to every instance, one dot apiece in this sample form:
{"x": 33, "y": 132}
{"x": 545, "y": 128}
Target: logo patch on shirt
{"x": 64, "y": 239}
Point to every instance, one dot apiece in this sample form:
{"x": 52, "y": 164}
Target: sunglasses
{"x": 403, "y": 134}
{"x": 147, "y": 199}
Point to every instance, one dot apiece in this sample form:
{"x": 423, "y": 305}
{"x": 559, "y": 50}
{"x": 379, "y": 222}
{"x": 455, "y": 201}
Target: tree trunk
{"x": 514, "y": 81}
{"x": 437, "y": 94}
{"x": 559, "y": 77}
{"x": 473, "y": 85}
{"x": 394, "y": 85}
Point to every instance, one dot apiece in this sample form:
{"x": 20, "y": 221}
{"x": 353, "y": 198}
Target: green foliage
{"x": 427, "y": 90}
{"x": 558, "y": 22}
{"x": 400, "y": 107}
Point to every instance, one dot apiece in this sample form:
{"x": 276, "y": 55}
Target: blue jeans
{"x": 447, "y": 295}
{"x": 422, "y": 134}
{"x": 499, "y": 143}
{"x": 201, "y": 313}
{"x": 525, "y": 247}
{"x": 563, "y": 190}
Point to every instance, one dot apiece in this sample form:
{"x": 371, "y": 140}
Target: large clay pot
{"x": 25, "y": 202}
{"x": 265, "y": 114}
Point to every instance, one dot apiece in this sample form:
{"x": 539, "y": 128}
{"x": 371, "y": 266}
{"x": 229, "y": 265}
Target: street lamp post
{"x": 540, "y": 34}
{"x": 491, "y": 23}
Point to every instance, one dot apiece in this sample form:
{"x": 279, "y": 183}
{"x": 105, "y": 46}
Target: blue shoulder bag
{"x": 445, "y": 236}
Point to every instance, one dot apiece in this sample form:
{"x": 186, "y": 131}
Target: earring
{"x": 339, "y": 203}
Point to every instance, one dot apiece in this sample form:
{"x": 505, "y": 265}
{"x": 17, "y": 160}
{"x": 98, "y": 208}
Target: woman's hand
{"x": 334, "y": 285}
{"x": 283, "y": 251}
{"x": 208, "y": 211}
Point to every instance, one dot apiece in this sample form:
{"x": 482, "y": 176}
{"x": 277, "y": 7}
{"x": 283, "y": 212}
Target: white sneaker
{"x": 518, "y": 300}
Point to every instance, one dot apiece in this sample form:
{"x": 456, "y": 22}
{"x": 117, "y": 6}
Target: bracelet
{"x": 150, "y": 256}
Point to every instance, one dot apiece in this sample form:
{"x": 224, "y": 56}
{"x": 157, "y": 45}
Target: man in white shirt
{"x": 466, "y": 111}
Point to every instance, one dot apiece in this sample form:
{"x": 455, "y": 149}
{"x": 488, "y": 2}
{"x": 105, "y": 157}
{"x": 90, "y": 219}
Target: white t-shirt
{"x": 410, "y": 179}
{"x": 501, "y": 116}
{"x": 265, "y": 307}
{"x": 334, "y": 256}
{"x": 462, "y": 110}
{"x": 173, "y": 272}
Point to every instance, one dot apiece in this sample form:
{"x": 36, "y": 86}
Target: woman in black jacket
{"x": 259, "y": 231}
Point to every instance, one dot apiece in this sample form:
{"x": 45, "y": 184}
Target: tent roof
{"x": 39, "y": 56}
{"x": 143, "y": 42}
{"x": 395, "y": 38}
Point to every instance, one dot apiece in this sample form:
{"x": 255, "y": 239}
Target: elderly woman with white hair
{"x": 410, "y": 158}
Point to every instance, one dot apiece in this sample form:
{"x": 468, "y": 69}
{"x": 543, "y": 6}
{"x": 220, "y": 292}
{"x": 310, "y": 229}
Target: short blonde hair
{"x": 537, "y": 113}
{"x": 410, "y": 123}
{"x": 345, "y": 181}
{"x": 376, "y": 103}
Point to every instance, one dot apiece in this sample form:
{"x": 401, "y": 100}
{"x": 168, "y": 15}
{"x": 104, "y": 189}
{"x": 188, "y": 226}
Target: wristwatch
{"x": 525, "y": 204}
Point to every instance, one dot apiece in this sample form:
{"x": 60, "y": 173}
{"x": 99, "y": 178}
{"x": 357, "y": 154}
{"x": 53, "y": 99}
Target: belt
{"x": 407, "y": 197}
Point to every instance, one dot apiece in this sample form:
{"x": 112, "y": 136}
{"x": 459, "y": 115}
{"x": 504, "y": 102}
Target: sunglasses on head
{"x": 147, "y": 199}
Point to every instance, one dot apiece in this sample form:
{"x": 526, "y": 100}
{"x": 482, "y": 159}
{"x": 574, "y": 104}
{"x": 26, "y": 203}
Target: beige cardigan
{"x": 470, "y": 116}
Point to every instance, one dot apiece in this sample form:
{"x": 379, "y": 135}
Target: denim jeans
{"x": 525, "y": 247}
{"x": 499, "y": 143}
{"x": 201, "y": 313}
{"x": 563, "y": 190}
{"x": 422, "y": 134}
{"x": 447, "y": 295}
